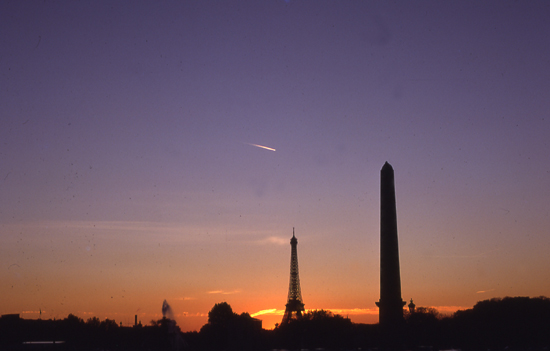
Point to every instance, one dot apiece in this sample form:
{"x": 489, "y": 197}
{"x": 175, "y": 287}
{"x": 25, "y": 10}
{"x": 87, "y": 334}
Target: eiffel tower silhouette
{"x": 295, "y": 304}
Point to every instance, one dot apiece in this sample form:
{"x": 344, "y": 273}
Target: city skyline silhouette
{"x": 499, "y": 324}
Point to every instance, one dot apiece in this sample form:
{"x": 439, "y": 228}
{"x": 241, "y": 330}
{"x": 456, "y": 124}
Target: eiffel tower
{"x": 295, "y": 304}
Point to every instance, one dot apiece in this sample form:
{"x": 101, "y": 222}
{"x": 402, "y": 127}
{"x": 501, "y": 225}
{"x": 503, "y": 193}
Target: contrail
{"x": 261, "y": 146}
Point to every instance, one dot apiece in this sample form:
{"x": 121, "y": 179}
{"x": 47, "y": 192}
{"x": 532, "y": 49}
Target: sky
{"x": 130, "y": 171}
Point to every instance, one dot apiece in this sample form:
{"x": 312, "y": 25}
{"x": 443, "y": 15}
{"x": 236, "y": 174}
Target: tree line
{"x": 510, "y": 323}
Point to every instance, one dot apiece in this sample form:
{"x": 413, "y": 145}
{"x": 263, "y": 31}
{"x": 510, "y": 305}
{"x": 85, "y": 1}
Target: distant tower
{"x": 295, "y": 304}
{"x": 390, "y": 304}
{"x": 412, "y": 307}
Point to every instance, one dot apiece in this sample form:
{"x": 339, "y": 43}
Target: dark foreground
{"x": 518, "y": 323}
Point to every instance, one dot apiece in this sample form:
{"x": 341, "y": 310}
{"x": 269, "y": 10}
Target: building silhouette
{"x": 295, "y": 304}
{"x": 390, "y": 304}
{"x": 412, "y": 307}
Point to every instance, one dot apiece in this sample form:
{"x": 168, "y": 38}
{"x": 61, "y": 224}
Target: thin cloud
{"x": 198, "y": 314}
{"x": 271, "y": 311}
{"x": 277, "y": 240}
{"x": 126, "y": 226}
{"x": 484, "y": 291}
{"x": 448, "y": 309}
{"x": 223, "y": 292}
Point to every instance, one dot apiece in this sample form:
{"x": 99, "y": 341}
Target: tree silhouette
{"x": 93, "y": 322}
{"x": 508, "y": 322}
{"x": 227, "y": 330}
{"x": 215, "y": 334}
{"x": 316, "y": 329}
{"x": 422, "y": 327}
{"x": 221, "y": 314}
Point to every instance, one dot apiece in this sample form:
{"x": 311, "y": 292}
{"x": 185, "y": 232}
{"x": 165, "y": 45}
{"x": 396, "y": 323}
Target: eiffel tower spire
{"x": 295, "y": 304}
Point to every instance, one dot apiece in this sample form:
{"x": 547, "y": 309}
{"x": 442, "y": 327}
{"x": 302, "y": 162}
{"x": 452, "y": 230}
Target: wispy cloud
{"x": 484, "y": 291}
{"x": 128, "y": 226}
{"x": 449, "y": 309}
{"x": 185, "y": 298}
{"x": 86, "y": 312}
{"x": 277, "y": 240}
{"x": 271, "y": 311}
{"x": 223, "y": 292}
{"x": 198, "y": 314}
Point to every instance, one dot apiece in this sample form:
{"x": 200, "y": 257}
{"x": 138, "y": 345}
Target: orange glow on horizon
{"x": 272, "y": 311}
{"x": 194, "y": 321}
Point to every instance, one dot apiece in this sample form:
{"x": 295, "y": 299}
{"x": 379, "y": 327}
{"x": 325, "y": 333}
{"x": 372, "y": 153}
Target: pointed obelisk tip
{"x": 387, "y": 166}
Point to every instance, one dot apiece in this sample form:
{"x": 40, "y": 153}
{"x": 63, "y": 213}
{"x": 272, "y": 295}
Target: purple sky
{"x": 125, "y": 132}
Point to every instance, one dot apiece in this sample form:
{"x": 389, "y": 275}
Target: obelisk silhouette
{"x": 390, "y": 306}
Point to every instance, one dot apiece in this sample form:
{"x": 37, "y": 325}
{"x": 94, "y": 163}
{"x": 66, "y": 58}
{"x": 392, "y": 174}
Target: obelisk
{"x": 391, "y": 304}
